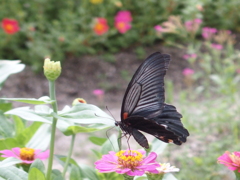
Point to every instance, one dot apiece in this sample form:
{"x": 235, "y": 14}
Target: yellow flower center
{"x": 9, "y": 27}
{"x": 96, "y": 1}
{"x": 121, "y": 25}
{"x": 27, "y": 154}
{"x": 99, "y": 27}
{"x": 129, "y": 159}
{"x": 235, "y": 159}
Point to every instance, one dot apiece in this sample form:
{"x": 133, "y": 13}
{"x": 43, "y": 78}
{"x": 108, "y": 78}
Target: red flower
{"x": 10, "y": 26}
{"x": 101, "y": 26}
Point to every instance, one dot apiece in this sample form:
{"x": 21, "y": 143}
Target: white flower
{"x": 167, "y": 168}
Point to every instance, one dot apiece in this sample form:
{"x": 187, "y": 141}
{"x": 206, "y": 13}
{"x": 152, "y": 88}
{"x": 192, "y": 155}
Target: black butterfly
{"x": 143, "y": 106}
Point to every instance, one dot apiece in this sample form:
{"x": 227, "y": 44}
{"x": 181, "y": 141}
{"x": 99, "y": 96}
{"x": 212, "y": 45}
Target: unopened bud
{"x": 52, "y": 70}
{"x": 79, "y": 100}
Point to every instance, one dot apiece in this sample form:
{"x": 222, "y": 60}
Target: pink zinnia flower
{"x": 130, "y": 162}
{"x": 231, "y": 160}
{"x": 27, "y": 155}
{"x": 208, "y": 32}
{"x": 188, "y": 71}
{"x": 100, "y": 26}
{"x": 10, "y": 26}
{"x": 217, "y": 46}
{"x": 123, "y": 16}
{"x": 123, "y": 21}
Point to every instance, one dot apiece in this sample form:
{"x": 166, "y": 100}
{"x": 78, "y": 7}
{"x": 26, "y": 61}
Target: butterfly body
{"x": 144, "y": 109}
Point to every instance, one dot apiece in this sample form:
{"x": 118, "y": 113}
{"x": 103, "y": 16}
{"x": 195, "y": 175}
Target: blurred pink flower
{"x": 208, "y": 32}
{"x": 27, "y": 155}
{"x": 231, "y": 160}
{"x": 123, "y": 21}
{"x": 98, "y": 92}
{"x": 188, "y": 56}
{"x": 10, "y": 26}
{"x": 193, "y": 25}
{"x": 217, "y": 46}
{"x": 158, "y": 28}
{"x": 123, "y": 16}
{"x": 130, "y": 162}
{"x": 238, "y": 70}
{"x": 188, "y": 71}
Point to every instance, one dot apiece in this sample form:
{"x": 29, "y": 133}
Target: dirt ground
{"x": 80, "y": 76}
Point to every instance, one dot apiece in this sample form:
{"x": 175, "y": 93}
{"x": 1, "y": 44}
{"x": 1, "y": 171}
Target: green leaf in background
{"x": 28, "y": 114}
{"x": 19, "y": 124}
{"x": 7, "y": 68}
{"x": 5, "y": 106}
{"x": 38, "y": 164}
{"x": 97, "y": 140}
{"x": 13, "y": 173}
{"x": 9, "y": 162}
{"x": 41, "y": 100}
{"x": 158, "y": 146}
{"x": 88, "y": 172}
{"x": 110, "y": 145}
{"x": 6, "y": 127}
{"x": 9, "y": 143}
{"x": 169, "y": 176}
{"x": 35, "y": 174}
{"x": 41, "y": 138}
{"x": 75, "y": 173}
{"x": 56, "y": 175}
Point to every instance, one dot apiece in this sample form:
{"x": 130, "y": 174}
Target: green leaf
{"x": 29, "y": 115}
{"x": 97, "y": 140}
{"x": 6, "y": 127}
{"x": 62, "y": 159}
{"x": 41, "y": 100}
{"x": 88, "y": 172}
{"x": 75, "y": 173}
{"x": 56, "y": 175}
{"x": 9, "y": 143}
{"x": 36, "y": 174}
{"x": 37, "y": 163}
{"x": 86, "y": 114}
{"x": 110, "y": 145}
{"x": 41, "y": 138}
{"x": 9, "y": 67}
{"x": 24, "y": 137}
{"x": 13, "y": 173}
{"x": 158, "y": 146}
{"x": 5, "y": 106}
{"x": 19, "y": 124}
{"x": 169, "y": 176}
{"x": 9, "y": 162}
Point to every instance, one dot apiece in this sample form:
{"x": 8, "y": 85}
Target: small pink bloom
{"x": 27, "y": 155}
{"x": 208, "y": 32}
{"x": 130, "y": 162}
{"x": 10, "y": 26}
{"x": 122, "y": 27}
{"x": 231, "y": 160}
{"x": 100, "y": 27}
{"x": 198, "y": 21}
{"x": 123, "y": 16}
{"x": 188, "y": 71}
{"x": 158, "y": 28}
{"x": 217, "y": 46}
{"x": 98, "y": 92}
{"x": 238, "y": 70}
{"x": 188, "y": 56}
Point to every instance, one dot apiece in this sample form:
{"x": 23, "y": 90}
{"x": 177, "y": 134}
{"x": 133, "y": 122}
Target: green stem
{"x": 120, "y": 139}
{"x": 54, "y": 123}
{"x": 237, "y": 174}
{"x": 69, "y": 155}
{"x": 126, "y": 177}
{"x": 155, "y": 176}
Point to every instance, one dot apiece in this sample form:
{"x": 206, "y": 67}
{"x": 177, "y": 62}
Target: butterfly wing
{"x": 145, "y": 93}
{"x": 166, "y": 127}
{"x": 143, "y": 106}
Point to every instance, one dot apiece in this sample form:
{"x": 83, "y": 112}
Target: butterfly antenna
{"x": 109, "y": 138}
{"x": 110, "y": 113}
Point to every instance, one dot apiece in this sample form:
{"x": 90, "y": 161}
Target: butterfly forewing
{"x": 145, "y": 93}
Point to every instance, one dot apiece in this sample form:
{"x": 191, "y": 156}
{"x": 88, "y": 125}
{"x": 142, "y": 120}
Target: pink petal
{"x": 151, "y": 157}
{"x": 42, "y": 155}
{"x": 135, "y": 173}
{"x": 27, "y": 162}
{"x": 123, "y": 171}
{"x": 10, "y": 153}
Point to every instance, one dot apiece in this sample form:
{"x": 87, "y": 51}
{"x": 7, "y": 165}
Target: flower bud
{"x": 79, "y": 100}
{"x": 52, "y": 70}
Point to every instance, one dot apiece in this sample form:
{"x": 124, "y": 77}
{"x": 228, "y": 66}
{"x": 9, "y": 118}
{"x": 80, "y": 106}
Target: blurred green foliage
{"x": 59, "y": 28}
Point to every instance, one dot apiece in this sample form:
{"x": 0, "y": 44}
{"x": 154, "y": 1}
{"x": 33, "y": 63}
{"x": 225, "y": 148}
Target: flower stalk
{"x": 155, "y": 176}
{"x": 126, "y": 177}
{"x": 69, "y": 155}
